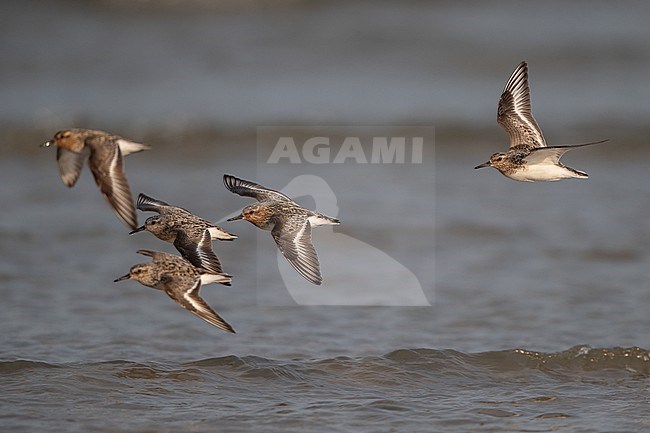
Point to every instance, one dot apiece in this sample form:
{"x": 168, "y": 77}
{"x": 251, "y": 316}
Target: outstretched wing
{"x": 252, "y": 189}
{"x": 552, "y": 154}
{"x": 185, "y": 291}
{"x": 200, "y": 255}
{"x": 294, "y": 241}
{"x": 70, "y": 165}
{"x": 106, "y": 165}
{"x": 150, "y": 204}
{"x": 514, "y": 113}
{"x": 546, "y": 155}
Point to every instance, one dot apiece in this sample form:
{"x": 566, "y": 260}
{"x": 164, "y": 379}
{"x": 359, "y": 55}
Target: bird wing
{"x": 159, "y": 258}
{"x": 514, "y": 113}
{"x": 70, "y": 165}
{"x": 252, "y": 189}
{"x": 545, "y": 155}
{"x": 106, "y": 165}
{"x": 294, "y": 241}
{"x": 150, "y": 204}
{"x": 185, "y": 291}
{"x": 200, "y": 255}
{"x": 552, "y": 154}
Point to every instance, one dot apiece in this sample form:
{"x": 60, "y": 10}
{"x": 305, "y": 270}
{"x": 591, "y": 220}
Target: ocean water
{"x": 403, "y": 390}
{"x": 538, "y": 294}
{"x": 453, "y": 300}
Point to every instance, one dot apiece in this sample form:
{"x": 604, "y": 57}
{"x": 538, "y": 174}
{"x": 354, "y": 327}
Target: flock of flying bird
{"x": 180, "y": 277}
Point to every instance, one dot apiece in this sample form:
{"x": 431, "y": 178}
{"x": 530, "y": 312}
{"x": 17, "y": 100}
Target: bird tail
{"x": 127, "y": 146}
{"x": 221, "y": 234}
{"x": 221, "y": 278}
{"x": 318, "y": 219}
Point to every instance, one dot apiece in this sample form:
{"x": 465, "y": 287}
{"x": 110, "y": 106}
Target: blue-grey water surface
{"x": 539, "y": 292}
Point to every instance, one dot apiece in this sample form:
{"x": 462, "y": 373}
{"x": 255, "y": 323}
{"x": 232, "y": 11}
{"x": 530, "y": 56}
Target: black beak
{"x": 235, "y": 218}
{"x": 485, "y": 164}
{"x": 139, "y": 229}
{"x": 122, "y": 278}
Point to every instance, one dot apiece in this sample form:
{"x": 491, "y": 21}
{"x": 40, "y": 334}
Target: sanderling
{"x": 181, "y": 281}
{"x": 289, "y": 223}
{"x": 104, "y": 152}
{"x": 528, "y": 159}
{"x": 184, "y": 230}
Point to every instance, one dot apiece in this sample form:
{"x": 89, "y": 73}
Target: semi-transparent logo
{"x": 379, "y": 182}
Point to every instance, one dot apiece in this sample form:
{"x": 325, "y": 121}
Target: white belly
{"x": 544, "y": 172}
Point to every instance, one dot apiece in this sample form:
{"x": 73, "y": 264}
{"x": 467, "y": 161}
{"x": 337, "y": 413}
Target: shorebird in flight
{"x": 181, "y": 281}
{"x": 105, "y": 154}
{"x": 185, "y": 230}
{"x": 290, "y": 224}
{"x": 528, "y": 159}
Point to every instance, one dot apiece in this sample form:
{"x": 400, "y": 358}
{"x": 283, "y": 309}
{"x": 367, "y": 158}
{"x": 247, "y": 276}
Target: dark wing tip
{"x": 249, "y": 188}
{"x": 523, "y": 65}
{"x": 227, "y": 179}
{"x": 149, "y": 204}
{"x": 227, "y": 327}
{"x": 233, "y": 183}
{"x": 185, "y": 292}
{"x": 598, "y": 142}
{"x": 240, "y": 186}
{"x": 214, "y": 319}
{"x": 148, "y": 253}
{"x": 518, "y": 78}
{"x": 230, "y": 181}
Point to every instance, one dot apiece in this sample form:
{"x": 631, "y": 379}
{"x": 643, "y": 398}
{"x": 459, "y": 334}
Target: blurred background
{"x": 195, "y": 79}
{"x": 169, "y": 67}
{"x": 555, "y": 267}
